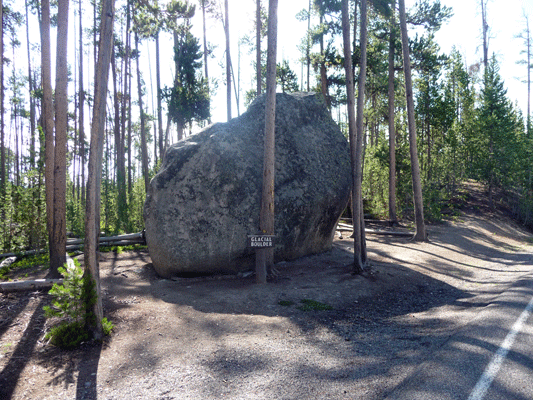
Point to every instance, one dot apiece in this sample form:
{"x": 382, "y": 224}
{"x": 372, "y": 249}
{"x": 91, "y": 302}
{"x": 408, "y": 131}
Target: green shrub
{"x": 285, "y": 303}
{"x": 68, "y": 335}
{"x": 71, "y": 301}
{"x": 24, "y": 262}
{"x": 107, "y": 326}
{"x": 313, "y": 305}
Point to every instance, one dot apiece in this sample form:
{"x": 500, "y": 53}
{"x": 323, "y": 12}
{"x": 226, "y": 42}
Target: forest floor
{"x": 352, "y": 337}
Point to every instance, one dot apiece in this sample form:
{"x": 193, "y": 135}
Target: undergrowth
{"x": 71, "y": 303}
{"x": 25, "y": 262}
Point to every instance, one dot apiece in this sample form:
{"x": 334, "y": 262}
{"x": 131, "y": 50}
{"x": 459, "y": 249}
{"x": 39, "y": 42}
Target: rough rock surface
{"x": 205, "y": 200}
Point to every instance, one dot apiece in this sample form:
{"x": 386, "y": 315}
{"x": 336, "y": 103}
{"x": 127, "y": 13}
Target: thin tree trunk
{"x": 420, "y": 234}
{"x": 92, "y": 270}
{"x": 159, "y": 106}
{"x": 31, "y": 84}
{"x": 127, "y": 83}
{"x": 228, "y": 59}
{"x": 308, "y": 48}
{"x": 119, "y": 151}
{"x": 258, "y": 46}
{"x": 355, "y": 5}
{"x": 265, "y": 256}
{"x": 529, "y": 66}
{"x": 121, "y": 162}
{"x": 144, "y": 148}
{"x": 485, "y": 31}
{"x": 17, "y": 145}
{"x": 323, "y": 71}
{"x": 75, "y": 148}
{"x": 392, "y": 129}
{"x": 129, "y": 140}
{"x": 2, "y": 133}
{"x": 206, "y": 70}
{"x": 81, "y": 115}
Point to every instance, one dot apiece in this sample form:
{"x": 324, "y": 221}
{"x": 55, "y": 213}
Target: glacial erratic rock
{"x": 205, "y": 200}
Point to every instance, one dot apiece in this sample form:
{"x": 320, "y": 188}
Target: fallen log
{"x": 108, "y": 239}
{"x": 345, "y": 227}
{"x": 36, "y": 284}
{"x": 390, "y": 233}
{"x": 77, "y": 244}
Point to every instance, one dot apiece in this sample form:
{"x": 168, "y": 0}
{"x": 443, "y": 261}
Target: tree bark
{"x": 392, "y": 129}
{"x": 350, "y": 90}
{"x": 308, "y": 48}
{"x": 420, "y": 234}
{"x": 119, "y": 151}
{"x": 92, "y": 270}
{"x": 265, "y": 256}
{"x": 359, "y": 236}
{"x": 144, "y": 148}
{"x": 228, "y": 59}
{"x": 206, "y": 69}
{"x": 258, "y": 46}
{"x": 48, "y": 116}
{"x": 59, "y": 228}
{"x": 127, "y": 105}
{"x": 485, "y": 31}
{"x": 81, "y": 109}
{"x": 159, "y": 106}
{"x": 323, "y": 72}
{"x": 31, "y": 84}
{"x": 2, "y": 133}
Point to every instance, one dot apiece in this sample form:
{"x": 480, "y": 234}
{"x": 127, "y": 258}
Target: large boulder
{"x": 205, "y": 200}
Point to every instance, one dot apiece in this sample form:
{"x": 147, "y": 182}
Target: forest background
{"x": 468, "y": 126}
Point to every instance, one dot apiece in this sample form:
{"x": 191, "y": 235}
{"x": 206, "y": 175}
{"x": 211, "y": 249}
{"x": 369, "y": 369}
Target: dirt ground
{"x": 226, "y": 337}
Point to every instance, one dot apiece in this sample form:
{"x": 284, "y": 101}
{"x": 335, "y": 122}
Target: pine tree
{"x": 188, "y": 99}
{"x": 496, "y": 141}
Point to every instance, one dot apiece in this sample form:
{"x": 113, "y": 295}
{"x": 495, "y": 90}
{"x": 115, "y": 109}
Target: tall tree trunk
{"x": 59, "y": 228}
{"x": 352, "y": 134}
{"x": 308, "y": 48}
{"x": 228, "y": 59}
{"x": 48, "y": 119}
{"x": 159, "y": 106}
{"x": 119, "y": 152}
{"x": 485, "y": 32}
{"x": 529, "y": 66}
{"x": 122, "y": 222}
{"x": 2, "y": 133}
{"x": 206, "y": 69}
{"x": 355, "y": 5}
{"x": 358, "y": 217}
{"x": 92, "y": 270}
{"x": 129, "y": 139}
{"x": 258, "y": 46}
{"x": 144, "y": 147}
{"x": 204, "y": 28}
{"x": 31, "y": 84}
{"x": 393, "y": 218}
{"x": 265, "y": 256}
{"x": 323, "y": 71}
{"x": 81, "y": 115}
{"x": 420, "y": 234}
{"x": 127, "y": 105}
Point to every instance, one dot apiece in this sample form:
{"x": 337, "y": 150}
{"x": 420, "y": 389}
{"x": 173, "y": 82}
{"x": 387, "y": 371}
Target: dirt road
{"x": 225, "y": 337}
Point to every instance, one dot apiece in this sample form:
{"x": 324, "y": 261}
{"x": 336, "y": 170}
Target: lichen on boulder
{"x": 205, "y": 200}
